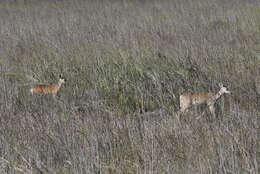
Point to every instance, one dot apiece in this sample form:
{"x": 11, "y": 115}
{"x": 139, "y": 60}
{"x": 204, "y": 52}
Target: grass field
{"x": 126, "y": 64}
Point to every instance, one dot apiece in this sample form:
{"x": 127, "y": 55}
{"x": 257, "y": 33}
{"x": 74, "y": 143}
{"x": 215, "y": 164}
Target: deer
{"x": 197, "y": 98}
{"x": 48, "y": 89}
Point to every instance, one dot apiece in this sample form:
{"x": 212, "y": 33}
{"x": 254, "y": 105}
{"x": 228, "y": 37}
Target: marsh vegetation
{"x": 126, "y": 63}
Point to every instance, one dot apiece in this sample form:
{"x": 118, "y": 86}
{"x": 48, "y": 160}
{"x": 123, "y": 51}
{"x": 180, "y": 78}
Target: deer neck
{"x": 59, "y": 84}
{"x": 214, "y": 98}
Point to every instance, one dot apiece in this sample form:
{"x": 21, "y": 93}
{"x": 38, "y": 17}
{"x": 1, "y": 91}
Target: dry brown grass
{"x": 126, "y": 62}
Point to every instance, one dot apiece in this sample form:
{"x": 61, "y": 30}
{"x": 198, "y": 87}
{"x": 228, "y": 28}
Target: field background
{"x": 126, "y": 63}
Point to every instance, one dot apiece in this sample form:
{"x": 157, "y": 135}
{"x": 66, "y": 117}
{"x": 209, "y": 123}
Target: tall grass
{"x": 126, "y": 63}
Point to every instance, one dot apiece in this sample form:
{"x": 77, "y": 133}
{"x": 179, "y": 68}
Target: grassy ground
{"x": 126, "y": 63}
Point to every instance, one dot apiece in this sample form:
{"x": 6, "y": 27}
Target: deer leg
{"x": 212, "y": 110}
{"x": 54, "y": 95}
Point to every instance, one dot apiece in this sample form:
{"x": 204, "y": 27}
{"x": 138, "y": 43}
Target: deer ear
{"x": 220, "y": 85}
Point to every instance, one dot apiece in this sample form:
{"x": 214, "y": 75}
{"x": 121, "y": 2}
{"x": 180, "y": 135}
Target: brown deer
{"x": 48, "y": 89}
{"x": 197, "y": 98}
